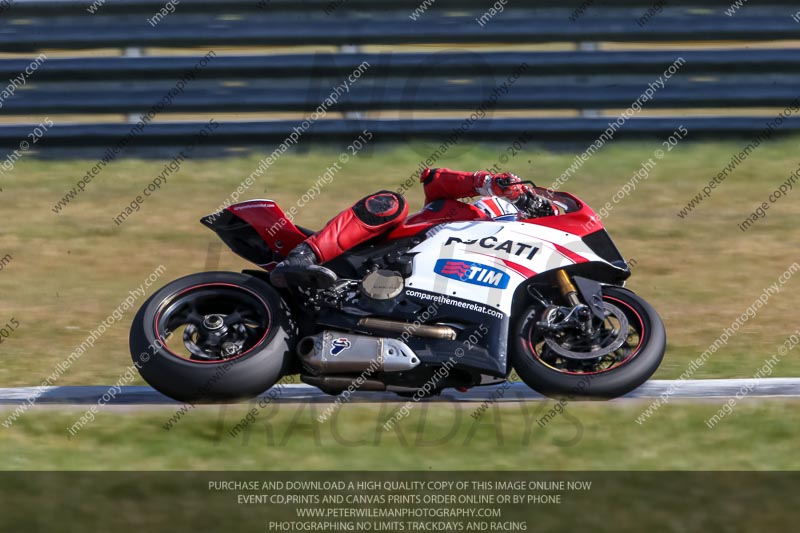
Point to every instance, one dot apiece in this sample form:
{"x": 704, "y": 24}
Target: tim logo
{"x": 473, "y": 273}
{"x": 339, "y": 345}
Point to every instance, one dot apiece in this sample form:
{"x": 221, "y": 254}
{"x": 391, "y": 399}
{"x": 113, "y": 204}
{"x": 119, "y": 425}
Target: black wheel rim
{"x": 212, "y": 323}
{"x": 537, "y": 348}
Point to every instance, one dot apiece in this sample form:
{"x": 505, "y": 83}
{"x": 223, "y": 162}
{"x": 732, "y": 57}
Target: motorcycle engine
{"x": 382, "y": 284}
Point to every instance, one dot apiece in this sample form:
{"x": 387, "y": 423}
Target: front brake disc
{"x": 610, "y": 343}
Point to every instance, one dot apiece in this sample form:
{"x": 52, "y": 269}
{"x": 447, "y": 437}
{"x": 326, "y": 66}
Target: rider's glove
{"x": 506, "y": 184}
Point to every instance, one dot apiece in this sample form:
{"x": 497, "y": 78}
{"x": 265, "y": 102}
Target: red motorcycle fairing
{"x": 578, "y": 218}
{"x": 281, "y": 235}
{"x": 271, "y": 223}
{"x": 436, "y": 212}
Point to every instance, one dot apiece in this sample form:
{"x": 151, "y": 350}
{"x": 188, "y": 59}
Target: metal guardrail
{"x": 406, "y": 82}
{"x": 265, "y": 29}
{"x": 554, "y": 130}
{"x": 385, "y": 95}
{"x": 448, "y": 63}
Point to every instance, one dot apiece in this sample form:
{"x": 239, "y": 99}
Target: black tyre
{"x": 615, "y": 374}
{"x": 213, "y": 336}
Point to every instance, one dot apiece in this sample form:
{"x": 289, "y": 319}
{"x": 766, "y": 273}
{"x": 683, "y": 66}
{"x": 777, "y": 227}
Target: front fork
{"x": 568, "y": 289}
{"x": 584, "y": 297}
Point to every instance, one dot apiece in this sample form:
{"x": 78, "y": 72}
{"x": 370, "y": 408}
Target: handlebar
{"x": 506, "y": 182}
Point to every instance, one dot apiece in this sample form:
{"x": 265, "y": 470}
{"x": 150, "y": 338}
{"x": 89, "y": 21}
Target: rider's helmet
{"x": 497, "y": 208}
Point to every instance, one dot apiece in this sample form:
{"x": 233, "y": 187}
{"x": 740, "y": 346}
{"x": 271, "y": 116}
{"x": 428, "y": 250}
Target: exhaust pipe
{"x": 333, "y": 352}
{"x": 339, "y": 384}
{"x": 421, "y": 330}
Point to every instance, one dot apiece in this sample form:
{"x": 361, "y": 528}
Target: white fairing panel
{"x": 485, "y": 261}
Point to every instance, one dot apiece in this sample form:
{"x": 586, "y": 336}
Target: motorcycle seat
{"x": 305, "y": 231}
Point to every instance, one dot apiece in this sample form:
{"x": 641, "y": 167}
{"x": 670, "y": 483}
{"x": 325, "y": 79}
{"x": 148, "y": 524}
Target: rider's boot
{"x": 301, "y": 267}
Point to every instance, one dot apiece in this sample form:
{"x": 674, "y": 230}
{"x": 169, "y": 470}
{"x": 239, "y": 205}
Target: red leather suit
{"x": 381, "y": 212}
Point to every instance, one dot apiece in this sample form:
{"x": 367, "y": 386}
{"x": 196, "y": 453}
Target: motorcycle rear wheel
{"x": 213, "y": 337}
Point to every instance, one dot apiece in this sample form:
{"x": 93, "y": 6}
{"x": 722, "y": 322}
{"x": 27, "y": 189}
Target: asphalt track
{"x": 515, "y": 392}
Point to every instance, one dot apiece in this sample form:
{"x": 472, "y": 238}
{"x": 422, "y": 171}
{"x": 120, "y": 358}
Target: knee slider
{"x": 380, "y": 208}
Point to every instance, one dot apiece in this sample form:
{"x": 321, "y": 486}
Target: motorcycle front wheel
{"x": 563, "y": 366}
{"x": 213, "y": 336}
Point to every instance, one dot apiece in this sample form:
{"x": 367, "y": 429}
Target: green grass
{"x": 70, "y": 270}
{"x": 758, "y": 435}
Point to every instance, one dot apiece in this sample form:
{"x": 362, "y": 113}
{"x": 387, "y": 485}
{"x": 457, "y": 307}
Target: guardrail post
{"x": 351, "y": 49}
{"x": 132, "y": 51}
{"x": 589, "y": 46}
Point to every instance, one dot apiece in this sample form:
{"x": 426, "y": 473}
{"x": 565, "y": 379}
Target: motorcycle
{"x": 448, "y": 299}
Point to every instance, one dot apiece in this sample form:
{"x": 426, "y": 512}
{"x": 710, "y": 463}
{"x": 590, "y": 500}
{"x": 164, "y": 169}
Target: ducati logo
{"x": 472, "y": 273}
{"x": 492, "y": 243}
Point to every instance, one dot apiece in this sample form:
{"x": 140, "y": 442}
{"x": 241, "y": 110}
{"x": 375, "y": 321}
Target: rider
{"x": 380, "y": 212}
